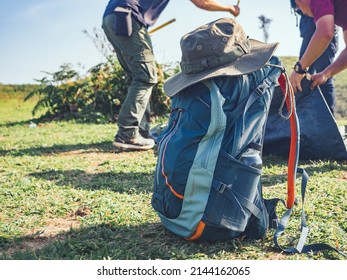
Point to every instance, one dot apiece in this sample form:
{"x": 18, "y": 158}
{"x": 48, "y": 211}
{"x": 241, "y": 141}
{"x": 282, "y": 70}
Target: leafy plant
{"x": 60, "y": 94}
{"x": 96, "y": 96}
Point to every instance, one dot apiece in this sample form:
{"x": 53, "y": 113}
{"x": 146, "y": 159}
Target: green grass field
{"x": 66, "y": 194}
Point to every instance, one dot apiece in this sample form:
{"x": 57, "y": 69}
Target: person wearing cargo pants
{"x": 135, "y": 54}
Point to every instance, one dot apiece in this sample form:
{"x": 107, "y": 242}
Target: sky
{"x": 38, "y": 36}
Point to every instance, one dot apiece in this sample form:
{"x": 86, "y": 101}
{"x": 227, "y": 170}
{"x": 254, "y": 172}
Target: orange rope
{"x": 293, "y": 144}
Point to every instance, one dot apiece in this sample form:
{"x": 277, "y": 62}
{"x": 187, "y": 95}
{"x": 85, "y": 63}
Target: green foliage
{"x": 340, "y": 82}
{"x": 59, "y": 94}
{"x": 94, "y": 97}
{"x": 10, "y": 91}
{"x": 98, "y": 95}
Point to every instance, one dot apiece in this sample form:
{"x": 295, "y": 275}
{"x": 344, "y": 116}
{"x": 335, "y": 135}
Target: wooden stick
{"x": 161, "y": 26}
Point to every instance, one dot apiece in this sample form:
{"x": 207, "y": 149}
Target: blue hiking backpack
{"x": 207, "y": 183}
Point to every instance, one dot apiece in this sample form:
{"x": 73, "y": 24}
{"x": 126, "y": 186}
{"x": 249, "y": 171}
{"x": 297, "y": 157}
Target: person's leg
{"x": 145, "y": 123}
{"x": 136, "y": 56}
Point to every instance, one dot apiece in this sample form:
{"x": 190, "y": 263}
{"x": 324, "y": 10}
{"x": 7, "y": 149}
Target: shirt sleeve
{"x": 322, "y": 8}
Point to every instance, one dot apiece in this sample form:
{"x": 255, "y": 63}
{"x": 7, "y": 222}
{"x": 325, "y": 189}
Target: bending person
{"x": 325, "y": 13}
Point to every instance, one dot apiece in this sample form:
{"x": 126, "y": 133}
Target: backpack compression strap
{"x": 301, "y": 247}
{"x": 292, "y": 172}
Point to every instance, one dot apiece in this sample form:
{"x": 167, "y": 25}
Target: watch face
{"x": 298, "y": 68}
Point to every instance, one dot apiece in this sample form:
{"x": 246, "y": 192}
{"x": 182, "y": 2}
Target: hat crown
{"x": 213, "y": 45}
{"x": 219, "y": 48}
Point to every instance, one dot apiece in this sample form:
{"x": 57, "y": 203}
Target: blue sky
{"x": 41, "y": 35}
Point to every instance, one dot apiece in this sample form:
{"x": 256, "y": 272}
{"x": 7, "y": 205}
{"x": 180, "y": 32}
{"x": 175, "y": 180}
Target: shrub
{"x": 95, "y": 97}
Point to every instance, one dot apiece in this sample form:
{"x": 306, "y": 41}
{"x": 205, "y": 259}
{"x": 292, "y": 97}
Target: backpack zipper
{"x": 163, "y": 143}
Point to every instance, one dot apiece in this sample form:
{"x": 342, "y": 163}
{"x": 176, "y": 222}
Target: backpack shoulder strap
{"x": 255, "y": 94}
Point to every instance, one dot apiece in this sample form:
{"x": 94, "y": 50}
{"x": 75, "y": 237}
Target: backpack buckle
{"x": 264, "y": 85}
{"x": 222, "y": 187}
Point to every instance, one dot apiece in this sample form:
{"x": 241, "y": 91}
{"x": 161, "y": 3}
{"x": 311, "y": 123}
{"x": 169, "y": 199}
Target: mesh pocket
{"x": 232, "y": 197}
{"x": 226, "y": 211}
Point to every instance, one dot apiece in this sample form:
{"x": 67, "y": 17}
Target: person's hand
{"x": 235, "y": 10}
{"x": 295, "y": 80}
{"x": 318, "y": 79}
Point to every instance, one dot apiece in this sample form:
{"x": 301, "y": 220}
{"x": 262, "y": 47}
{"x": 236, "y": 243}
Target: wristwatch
{"x": 298, "y": 68}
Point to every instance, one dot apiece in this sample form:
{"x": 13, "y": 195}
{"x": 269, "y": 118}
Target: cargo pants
{"x": 135, "y": 55}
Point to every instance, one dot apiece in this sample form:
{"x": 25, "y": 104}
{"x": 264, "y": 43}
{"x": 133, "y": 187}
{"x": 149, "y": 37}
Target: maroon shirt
{"x": 337, "y": 8}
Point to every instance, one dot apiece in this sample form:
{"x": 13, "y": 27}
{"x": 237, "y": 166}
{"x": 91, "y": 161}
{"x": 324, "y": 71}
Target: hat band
{"x": 212, "y": 62}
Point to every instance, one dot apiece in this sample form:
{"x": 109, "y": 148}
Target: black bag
{"x": 123, "y": 23}
{"x": 320, "y": 137}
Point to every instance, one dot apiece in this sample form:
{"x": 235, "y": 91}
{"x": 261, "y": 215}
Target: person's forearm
{"x": 320, "y": 40}
{"x": 338, "y": 65}
{"x": 211, "y": 5}
{"x": 315, "y": 49}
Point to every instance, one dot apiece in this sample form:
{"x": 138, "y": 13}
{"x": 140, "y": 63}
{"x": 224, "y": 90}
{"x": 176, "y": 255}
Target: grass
{"x": 66, "y": 194}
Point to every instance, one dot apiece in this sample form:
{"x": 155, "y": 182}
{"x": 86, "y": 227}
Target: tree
{"x": 265, "y": 24}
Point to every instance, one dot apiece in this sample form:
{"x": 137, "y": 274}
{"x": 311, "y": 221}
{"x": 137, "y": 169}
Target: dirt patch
{"x": 343, "y": 176}
{"x": 33, "y": 243}
{"x": 38, "y": 238}
{"x": 57, "y": 226}
{"x": 102, "y": 155}
{"x": 96, "y": 159}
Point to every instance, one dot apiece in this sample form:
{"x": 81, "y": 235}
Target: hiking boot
{"x": 147, "y": 135}
{"x": 136, "y": 143}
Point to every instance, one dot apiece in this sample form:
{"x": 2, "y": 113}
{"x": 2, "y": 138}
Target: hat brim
{"x": 259, "y": 55}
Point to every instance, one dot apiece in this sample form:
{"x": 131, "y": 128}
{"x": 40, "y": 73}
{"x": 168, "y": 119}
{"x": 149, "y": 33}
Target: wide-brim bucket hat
{"x": 219, "y": 48}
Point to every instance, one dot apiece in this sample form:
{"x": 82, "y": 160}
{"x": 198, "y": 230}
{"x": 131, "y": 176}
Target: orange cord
{"x": 293, "y": 144}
